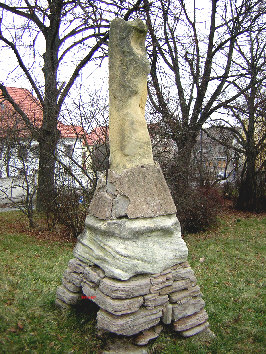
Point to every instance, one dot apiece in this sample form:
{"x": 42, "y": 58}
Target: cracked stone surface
{"x": 139, "y": 192}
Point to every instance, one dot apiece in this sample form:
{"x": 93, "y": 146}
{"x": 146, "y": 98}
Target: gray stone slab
{"x": 117, "y": 306}
{"x": 128, "y": 325}
{"x": 114, "y": 306}
{"x": 76, "y": 265}
{"x": 89, "y": 289}
{"x": 187, "y": 307}
{"x": 167, "y": 314}
{"x": 195, "y": 330}
{"x": 189, "y": 322}
{"x": 179, "y": 295}
{"x": 153, "y": 300}
{"x": 184, "y": 273}
{"x": 92, "y": 274}
{"x": 70, "y": 286}
{"x": 67, "y": 296}
{"x": 72, "y": 277}
{"x": 117, "y": 289}
{"x": 181, "y": 285}
{"x": 148, "y": 334}
{"x": 159, "y": 283}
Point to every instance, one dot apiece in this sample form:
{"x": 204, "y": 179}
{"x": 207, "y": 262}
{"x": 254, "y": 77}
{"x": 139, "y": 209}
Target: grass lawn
{"x": 228, "y": 262}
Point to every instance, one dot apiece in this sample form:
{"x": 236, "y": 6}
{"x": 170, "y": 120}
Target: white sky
{"x": 91, "y": 76}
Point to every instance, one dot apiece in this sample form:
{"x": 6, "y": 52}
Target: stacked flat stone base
{"x": 139, "y": 305}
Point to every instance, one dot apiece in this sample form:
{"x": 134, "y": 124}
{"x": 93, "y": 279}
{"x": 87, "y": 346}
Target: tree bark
{"x": 49, "y": 134}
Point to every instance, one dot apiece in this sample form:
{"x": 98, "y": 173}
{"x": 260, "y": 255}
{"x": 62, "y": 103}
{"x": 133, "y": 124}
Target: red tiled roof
{"x": 11, "y": 120}
{"x": 99, "y": 135}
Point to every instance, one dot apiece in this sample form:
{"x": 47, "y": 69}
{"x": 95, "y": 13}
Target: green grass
{"x": 228, "y": 262}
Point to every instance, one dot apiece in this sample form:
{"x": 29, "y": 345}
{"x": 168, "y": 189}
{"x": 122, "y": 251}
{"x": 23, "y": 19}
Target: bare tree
{"x": 191, "y": 65}
{"x": 72, "y": 32}
{"x": 249, "y": 115}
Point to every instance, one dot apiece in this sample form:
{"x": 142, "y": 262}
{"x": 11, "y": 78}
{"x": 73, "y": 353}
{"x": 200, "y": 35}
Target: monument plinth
{"x": 131, "y": 259}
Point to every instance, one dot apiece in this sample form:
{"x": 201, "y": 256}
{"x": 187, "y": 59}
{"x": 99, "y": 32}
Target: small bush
{"x": 197, "y": 208}
{"x": 70, "y": 210}
{"x": 230, "y": 191}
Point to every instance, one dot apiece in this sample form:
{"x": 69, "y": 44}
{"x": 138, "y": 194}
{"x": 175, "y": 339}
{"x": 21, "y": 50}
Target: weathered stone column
{"x": 130, "y": 143}
{"x": 131, "y": 259}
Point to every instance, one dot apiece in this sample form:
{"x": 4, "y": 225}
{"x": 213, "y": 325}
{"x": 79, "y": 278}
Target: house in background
{"x": 211, "y": 160}
{"x": 97, "y": 143}
{"x": 215, "y": 161}
{"x": 19, "y": 147}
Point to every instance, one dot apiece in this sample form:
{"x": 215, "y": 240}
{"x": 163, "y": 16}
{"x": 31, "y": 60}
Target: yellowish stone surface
{"x": 130, "y": 144}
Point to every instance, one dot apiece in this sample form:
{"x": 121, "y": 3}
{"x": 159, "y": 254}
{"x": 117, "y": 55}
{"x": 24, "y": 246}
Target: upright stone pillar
{"x": 131, "y": 259}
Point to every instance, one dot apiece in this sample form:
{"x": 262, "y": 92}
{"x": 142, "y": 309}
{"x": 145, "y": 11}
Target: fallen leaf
{"x": 12, "y": 329}
{"x": 20, "y": 325}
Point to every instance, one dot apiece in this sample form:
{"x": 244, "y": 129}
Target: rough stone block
{"x": 62, "y": 305}
{"x": 159, "y": 283}
{"x": 167, "y": 314}
{"x": 70, "y": 286}
{"x": 89, "y": 289}
{"x": 153, "y": 300}
{"x": 130, "y": 324}
{"x": 72, "y": 277}
{"x": 180, "y": 295}
{"x": 184, "y": 273}
{"x": 114, "y": 306}
{"x": 120, "y": 205}
{"x": 168, "y": 274}
{"x": 67, "y": 296}
{"x": 148, "y": 335}
{"x": 146, "y": 190}
{"x": 117, "y": 289}
{"x": 187, "y": 307}
{"x": 195, "y": 330}
{"x": 167, "y": 290}
{"x": 174, "y": 286}
{"x": 179, "y": 285}
{"x": 189, "y": 322}
{"x": 101, "y": 205}
{"x": 117, "y": 306}
{"x": 93, "y": 274}
{"x": 76, "y": 265}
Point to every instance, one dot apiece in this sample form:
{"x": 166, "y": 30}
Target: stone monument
{"x": 130, "y": 259}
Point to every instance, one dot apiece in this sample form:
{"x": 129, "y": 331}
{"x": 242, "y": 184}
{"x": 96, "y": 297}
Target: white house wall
{"x": 12, "y": 187}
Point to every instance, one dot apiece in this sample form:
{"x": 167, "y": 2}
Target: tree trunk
{"x": 46, "y": 187}
{"x": 181, "y": 175}
{"x": 247, "y": 196}
{"x": 49, "y": 134}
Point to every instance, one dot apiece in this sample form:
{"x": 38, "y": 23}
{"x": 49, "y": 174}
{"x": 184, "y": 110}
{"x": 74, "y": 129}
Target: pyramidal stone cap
{"x": 138, "y": 192}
